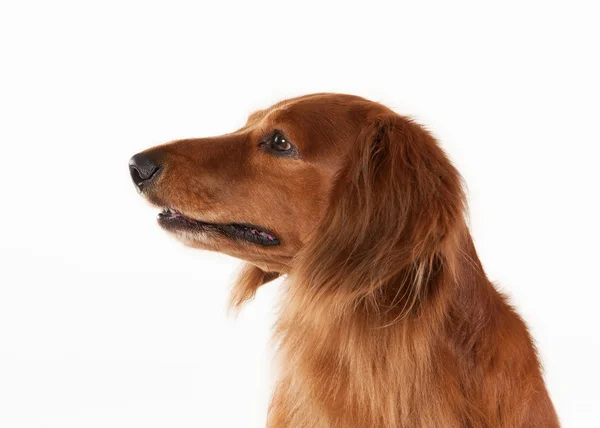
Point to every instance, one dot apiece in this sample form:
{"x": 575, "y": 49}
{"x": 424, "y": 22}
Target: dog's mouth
{"x": 173, "y": 220}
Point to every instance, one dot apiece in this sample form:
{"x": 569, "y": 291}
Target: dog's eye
{"x": 280, "y": 143}
{"x": 277, "y": 143}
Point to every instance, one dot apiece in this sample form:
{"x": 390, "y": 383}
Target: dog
{"x": 387, "y": 318}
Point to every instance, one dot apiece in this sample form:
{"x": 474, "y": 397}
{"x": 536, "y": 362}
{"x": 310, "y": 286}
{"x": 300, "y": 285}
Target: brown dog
{"x": 388, "y": 318}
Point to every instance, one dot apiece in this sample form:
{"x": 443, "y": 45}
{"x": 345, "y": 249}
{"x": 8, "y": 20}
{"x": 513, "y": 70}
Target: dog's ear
{"x": 395, "y": 204}
{"x": 406, "y": 186}
{"x": 248, "y": 281}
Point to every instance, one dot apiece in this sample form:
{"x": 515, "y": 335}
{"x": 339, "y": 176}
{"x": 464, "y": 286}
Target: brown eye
{"x": 280, "y": 143}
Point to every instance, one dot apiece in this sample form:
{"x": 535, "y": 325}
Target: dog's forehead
{"x": 307, "y": 106}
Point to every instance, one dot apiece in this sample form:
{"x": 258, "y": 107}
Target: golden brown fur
{"x": 387, "y": 318}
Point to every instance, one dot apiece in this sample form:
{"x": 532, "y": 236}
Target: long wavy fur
{"x": 387, "y": 318}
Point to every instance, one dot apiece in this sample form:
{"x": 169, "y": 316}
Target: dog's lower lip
{"x": 168, "y": 212}
{"x": 174, "y": 220}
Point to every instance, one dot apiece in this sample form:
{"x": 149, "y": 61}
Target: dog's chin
{"x": 201, "y": 234}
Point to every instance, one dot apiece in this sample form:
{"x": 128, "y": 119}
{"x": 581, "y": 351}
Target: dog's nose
{"x": 143, "y": 169}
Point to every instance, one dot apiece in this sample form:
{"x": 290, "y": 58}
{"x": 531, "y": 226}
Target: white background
{"x": 105, "y": 321}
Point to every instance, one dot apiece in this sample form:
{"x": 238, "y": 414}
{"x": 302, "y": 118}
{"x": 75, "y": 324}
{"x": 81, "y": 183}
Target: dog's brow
{"x": 256, "y": 115}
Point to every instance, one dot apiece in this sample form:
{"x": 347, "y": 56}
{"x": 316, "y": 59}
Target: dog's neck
{"x": 372, "y": 366}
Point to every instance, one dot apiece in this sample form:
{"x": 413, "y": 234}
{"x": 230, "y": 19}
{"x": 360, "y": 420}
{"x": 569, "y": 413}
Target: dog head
{"x": 322, "y": 176}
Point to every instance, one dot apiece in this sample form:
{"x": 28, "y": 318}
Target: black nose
{"x": 143, "y": 169}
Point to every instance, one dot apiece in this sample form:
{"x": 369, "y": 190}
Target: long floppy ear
{"x": 395, "y": 214}
{"x": 248, "y": 281}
